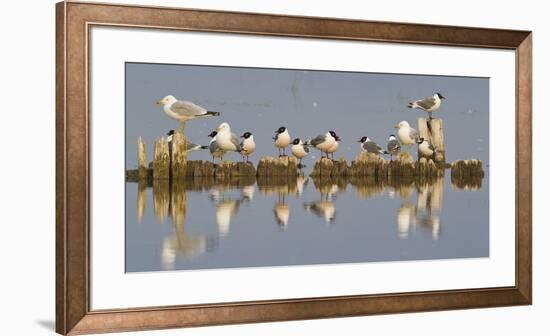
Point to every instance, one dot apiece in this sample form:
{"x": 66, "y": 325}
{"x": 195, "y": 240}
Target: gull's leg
{"x": 181, "y": 129}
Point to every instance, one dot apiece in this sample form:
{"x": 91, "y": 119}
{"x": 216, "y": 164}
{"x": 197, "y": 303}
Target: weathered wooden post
{"x": 161, "y": 160}
{"x": 434, "y": 132}
{"x": 179, "y": 156}
{"x": 142, "y": 159}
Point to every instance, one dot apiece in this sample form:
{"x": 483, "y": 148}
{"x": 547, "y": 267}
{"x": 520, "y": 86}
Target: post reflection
{"x": 141, "y": 200}
{"x": 417, "y": 204}
{"x": 170, "y": 201}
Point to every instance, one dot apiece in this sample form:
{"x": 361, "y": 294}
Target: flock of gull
{"x": 224, "y": 140}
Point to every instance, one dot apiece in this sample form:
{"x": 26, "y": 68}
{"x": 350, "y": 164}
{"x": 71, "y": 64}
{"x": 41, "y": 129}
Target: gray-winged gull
{"x": 299, "y": 150}
{"x": 189, "y": 147}
{"x": 227, "y": 140}
{"x": 426, "y": 148}
{"x": 326, "y": 143}
{"x": 407, "y": 135}
{"x": 428, "y": 104}
{"x": 215, "y": 150}
{"x": 369, "y": 146}
{"x": 183, "y": 110}
{"x": 393, "y": 146}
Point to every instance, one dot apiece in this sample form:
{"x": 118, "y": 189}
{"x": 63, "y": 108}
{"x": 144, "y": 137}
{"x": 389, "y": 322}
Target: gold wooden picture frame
{"x": 73, "y": 312}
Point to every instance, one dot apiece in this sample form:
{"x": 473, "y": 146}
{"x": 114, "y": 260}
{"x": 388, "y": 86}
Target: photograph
{"x": 231, "y": 167}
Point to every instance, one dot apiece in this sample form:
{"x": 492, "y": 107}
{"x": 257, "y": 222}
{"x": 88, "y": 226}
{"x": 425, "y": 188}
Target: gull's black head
{"x": 440, "y": 96}
{"x": 246, "y": 135}
{"x": 296, "y": 141}
{"x": 212, "y": 134}
{"x": 333, "y": 134}
{"x": 170, "y": 132}
{"x": 363, "y": 139}
{"x": 392, "y": 136}
{"x": 280, "y": 130}
{"x": 419, "y": 141}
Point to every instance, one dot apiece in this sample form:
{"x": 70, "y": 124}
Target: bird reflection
{"x": 282, "y": 213}
{"x": 247, "y": 193}
{"x": 328, "y": 190}
{"x": 430, "y": 222}
{"x": 323, "y": 209}
{"x": 187, "y": 247}
{"x": 405, "y": 218}
{"x": 301, "y": 184}
{"x": 226, "y": 209}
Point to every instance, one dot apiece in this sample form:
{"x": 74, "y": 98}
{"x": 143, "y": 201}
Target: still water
{"x": 205, "y": 224}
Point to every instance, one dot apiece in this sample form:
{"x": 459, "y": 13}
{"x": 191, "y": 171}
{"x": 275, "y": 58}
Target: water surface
{"x": 205, "y": 224}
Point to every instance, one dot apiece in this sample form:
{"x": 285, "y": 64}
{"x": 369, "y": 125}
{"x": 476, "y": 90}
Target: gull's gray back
{"x": 371, "y": 147}
{"x": 318, "y": 139}
{"x": 187, "y": 108}
{"x": 393, "y": 145}
{"x": 426, "y": 103}
{"x": 235, "y": 141}
{"x": 213, "y": 147}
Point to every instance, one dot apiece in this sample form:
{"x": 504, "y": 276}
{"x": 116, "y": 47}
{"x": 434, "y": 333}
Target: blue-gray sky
{"x": 308, "y": 102}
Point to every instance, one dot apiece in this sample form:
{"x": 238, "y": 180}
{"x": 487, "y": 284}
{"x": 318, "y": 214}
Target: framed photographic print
{"x": 223, "y": 167}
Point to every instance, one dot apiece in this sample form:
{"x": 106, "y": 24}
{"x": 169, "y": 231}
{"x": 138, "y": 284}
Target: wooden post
{"x": 179, "y": 156}
{"x": 435, "y": 134}
{"x": 142, "y": 159}
{"x": 161, "y": 161}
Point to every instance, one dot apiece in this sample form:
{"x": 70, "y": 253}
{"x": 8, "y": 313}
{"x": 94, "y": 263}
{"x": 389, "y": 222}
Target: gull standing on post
{"x": 189, "y": 147}
{"x": 369, "y": 146}
{"x": 334, "y": 147}
{"x": 324, "y": 142}
{"x": 183, "y": 110}
{"x": 394, "y": 147}
{"x": 226, "y": 140}
{"x": 407, "y": 135}
{"x": 299, "y": 150}
{"x": 248, "y": 145}
{"x": 282, "y": 139}
{"x": 215, "y": 150}
{"x": 428, "y": 104}
{"x": 425, "y": 148}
